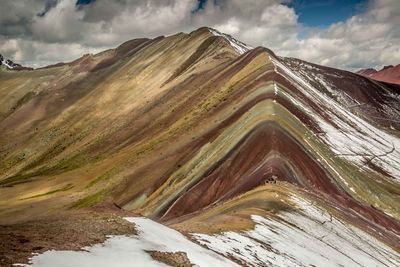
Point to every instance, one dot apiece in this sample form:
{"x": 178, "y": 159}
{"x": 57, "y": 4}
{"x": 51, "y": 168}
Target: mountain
{"x": 11, "y": 65}
{"x": 367, "y": 72}
{"x": 6, "y": 62}
{"x": 232, "y": 154}
{"x": 389, "y": 74}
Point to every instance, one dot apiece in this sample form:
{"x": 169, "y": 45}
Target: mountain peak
{"x": 239, "y": 46}
{"x": 10, "y": 64}
{"x": 387, "y": 67}
{"x": 6, "y": 62}
{"x": 390, "y": 74}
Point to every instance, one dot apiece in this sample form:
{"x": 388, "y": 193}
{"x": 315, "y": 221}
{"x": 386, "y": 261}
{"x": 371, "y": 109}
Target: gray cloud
{"x": 65, "y": 31}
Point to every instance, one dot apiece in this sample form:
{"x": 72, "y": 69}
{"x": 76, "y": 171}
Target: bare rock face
{"x": 263, "y": 159}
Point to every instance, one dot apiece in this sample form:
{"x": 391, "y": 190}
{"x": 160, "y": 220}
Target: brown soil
{"x": 68, "y": 231}
{"x": 175, "y": 259}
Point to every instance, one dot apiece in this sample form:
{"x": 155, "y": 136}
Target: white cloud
{"x": 38, "y": 54}
{"x": 371, "y": 38}
{"x": 368, "y": 39}
{"x": 62, "y": 23}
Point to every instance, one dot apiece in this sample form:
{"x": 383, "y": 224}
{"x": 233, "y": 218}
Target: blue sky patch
{"x": 321, "y": 14}
{"x": 201, "y": 4}
{"x": 84, "y": 2}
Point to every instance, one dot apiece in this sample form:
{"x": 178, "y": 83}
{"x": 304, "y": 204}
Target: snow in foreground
{"x": 311, "y": 237}
{"x": 122, "y": 251}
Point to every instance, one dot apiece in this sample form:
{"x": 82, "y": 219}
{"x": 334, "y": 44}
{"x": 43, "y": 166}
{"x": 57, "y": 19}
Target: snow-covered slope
{"x": 239, "y": 46}
{"x": 349, "y": 135}
{"x": 123, "y": 251}
{"x": 9, "y": 64}
{"x": 308, "y": 237}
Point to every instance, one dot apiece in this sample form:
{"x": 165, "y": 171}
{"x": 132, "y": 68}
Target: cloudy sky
{"x": 348, "y": 34}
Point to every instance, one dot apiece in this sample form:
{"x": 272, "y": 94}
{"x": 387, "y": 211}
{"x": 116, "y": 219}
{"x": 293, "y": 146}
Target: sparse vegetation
{"x": 90, "y": 200}
{"x": 63, "y": 189}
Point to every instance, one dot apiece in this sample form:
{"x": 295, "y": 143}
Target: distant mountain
{"x": 6, "y": 62}
{"x": 11, "y": 65}
{"x": 390, "y": 74}
{"x": 262, "y": 160}
{"x": 367, "y": 72}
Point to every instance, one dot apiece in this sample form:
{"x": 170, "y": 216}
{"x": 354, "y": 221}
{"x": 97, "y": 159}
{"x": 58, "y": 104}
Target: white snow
{"x": 4, "y": 62}
{"x": 356, "y": 139}
{"x": 123, "y": 251}
{"x": 275, "y": 89}
{"x": 240, "y": 47}
{"x": 311, "y": 237}
{"x": 7, "y": 65}
{"x": 270, "y": 59}
{"x": 317, "y": 238}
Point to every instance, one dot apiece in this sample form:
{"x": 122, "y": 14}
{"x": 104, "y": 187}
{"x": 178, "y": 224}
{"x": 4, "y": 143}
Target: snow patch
{"x": 355, "y": 139}
{"x": 122, "y": 251}
{"x": 6, "y": 62}
{"x": 311, "y": 237}
{"x": 275, "y": 89}
{"x": 240, "y": 47}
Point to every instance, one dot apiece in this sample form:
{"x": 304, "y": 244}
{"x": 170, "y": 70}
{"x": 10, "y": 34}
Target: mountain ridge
{"x": 390, "y": 74}
{"x": 11, "y": 65}
{"x": 200, "y": 135}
